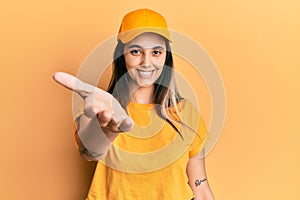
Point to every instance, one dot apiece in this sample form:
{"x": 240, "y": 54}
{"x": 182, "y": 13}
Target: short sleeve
{"x": 191, "y": 117}
{"x": 199, "y": 139}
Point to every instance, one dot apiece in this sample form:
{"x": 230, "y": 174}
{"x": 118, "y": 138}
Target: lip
{"x": 145, "y": 73}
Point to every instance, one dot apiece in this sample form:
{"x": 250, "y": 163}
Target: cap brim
{"x": 127, "y": 36}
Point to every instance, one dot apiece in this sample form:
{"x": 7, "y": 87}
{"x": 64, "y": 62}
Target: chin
{"x": 145, "y": 83}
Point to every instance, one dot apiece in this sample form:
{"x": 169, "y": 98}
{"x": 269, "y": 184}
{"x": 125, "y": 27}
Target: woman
{"x": 144, "y": 135}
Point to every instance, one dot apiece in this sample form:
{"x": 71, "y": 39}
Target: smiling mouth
{"x": 145, "y": 74}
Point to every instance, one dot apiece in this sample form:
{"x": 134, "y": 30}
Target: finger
{"x": 91, "y": 110}
{"x": 116, "y": 127}
{"x": 104, "y": 118}
{"x": 126, "y": 125}
{"x": 114, "y": 122}
{"x": 90, "y": 94}
{"x": 73, "y": 83}
{"x": 113, "y": 127}
{"x": 66, "y": 80}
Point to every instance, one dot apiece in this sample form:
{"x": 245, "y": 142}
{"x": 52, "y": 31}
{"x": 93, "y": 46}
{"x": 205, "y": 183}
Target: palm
{"x": 97, "y": 103}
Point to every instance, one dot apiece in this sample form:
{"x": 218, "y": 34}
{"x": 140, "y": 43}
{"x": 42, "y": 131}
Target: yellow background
{"x": 255, "y": 45}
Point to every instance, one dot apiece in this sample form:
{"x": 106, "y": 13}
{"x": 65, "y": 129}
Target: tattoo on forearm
{"x": 198, "y": 182}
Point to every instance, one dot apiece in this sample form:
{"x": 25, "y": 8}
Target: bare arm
{"x": 102, "y": 121}
{"x": 197, "y": 179}
{"x": 93, "y": 143}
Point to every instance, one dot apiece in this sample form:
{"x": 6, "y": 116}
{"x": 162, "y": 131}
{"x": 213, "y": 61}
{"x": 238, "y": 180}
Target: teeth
{"x": 145, "y": 74}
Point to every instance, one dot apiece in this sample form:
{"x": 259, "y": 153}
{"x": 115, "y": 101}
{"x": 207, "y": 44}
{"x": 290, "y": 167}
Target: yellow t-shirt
{"x": 149, "y": 162}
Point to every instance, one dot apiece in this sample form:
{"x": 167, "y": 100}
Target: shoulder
{"x": 183, "y": 109}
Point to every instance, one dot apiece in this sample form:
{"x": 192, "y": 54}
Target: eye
{"x": 157, "y": 52}
{"x": 135, "y": 52}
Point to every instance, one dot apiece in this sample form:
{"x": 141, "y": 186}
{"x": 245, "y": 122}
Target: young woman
{"x": 144, "y": 135}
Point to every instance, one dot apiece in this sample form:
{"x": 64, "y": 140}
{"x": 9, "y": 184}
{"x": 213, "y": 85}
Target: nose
{"x": 146, "y": 60}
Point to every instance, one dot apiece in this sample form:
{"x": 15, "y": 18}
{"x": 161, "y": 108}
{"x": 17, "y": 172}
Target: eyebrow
{"x": 138, "y": 46}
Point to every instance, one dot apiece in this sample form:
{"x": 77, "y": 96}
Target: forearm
{"x": 99, "y": 108}
{"x": 93, "y": 143}
{"x": 198, "y": 179}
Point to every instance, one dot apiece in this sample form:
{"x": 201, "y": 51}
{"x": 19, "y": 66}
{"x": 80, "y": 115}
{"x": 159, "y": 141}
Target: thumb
{"x": 73, "y": 83}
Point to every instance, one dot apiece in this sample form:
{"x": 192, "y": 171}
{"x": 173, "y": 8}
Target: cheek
{"x": 159, "y": 71}
{"x": 160, "y": 65}
{"x": 131, "y": 62}
{"x": 161, "y": 60}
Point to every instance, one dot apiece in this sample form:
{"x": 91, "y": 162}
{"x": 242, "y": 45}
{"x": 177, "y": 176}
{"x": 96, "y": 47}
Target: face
{"x": 145, "y": 56}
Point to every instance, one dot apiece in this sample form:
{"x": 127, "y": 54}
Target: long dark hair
{"x": 165, "y": 90}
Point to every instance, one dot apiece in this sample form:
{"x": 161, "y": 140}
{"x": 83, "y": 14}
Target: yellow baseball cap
{"x": 141, "y": 21}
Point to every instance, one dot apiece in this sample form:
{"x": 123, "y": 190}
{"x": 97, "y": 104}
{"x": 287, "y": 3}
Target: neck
{"x": 143, "y": 95}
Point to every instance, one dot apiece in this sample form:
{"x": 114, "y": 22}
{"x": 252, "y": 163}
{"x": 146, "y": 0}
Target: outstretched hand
{"x": 98, "y": 103}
